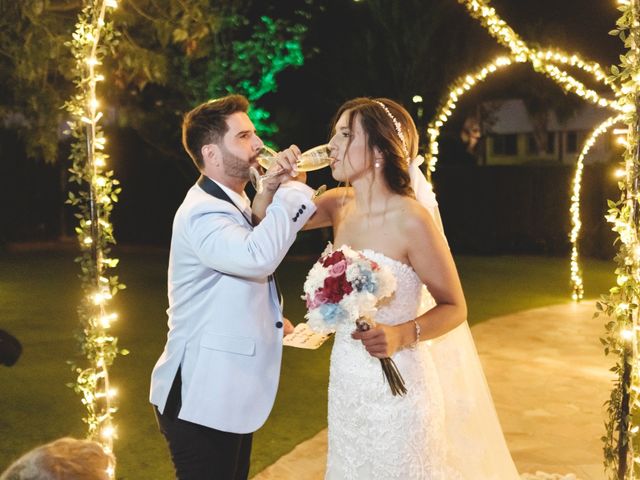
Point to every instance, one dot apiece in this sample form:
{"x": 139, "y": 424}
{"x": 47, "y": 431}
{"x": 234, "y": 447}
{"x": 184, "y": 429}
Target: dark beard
{"x": 235, "y": 166}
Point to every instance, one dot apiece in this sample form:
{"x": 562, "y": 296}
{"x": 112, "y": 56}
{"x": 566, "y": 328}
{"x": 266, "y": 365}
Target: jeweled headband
{"x": 397, "y": 125}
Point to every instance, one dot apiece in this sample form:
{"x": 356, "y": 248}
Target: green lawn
{"x": 39, "y": 292}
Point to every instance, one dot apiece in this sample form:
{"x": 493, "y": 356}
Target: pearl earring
{"x": 376, "y": 164}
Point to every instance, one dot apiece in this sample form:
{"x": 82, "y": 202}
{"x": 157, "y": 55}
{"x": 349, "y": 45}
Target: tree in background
{"x": 170, "y": 55}
{"x": 375, "y": 48}
{"x": 405, "y": 48}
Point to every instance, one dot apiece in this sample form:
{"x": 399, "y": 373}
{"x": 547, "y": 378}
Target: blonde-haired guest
{"x": 62, "y": 459}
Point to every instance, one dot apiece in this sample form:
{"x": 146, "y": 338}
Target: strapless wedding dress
{"x": 444, "y": 428}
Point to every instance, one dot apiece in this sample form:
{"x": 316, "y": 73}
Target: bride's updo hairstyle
{"x": 390, "y": 129}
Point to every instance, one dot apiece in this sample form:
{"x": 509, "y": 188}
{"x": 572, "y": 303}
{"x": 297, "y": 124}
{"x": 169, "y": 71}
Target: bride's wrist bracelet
{"x": 417, "y": 340}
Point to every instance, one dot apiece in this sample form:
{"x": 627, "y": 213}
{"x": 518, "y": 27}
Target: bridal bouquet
{"x": 345, "y": 286}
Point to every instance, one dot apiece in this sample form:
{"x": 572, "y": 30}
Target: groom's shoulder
{"x": 198, "y": 201}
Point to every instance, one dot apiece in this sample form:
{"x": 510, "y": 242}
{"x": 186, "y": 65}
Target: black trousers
{"x": 199, "y": 452}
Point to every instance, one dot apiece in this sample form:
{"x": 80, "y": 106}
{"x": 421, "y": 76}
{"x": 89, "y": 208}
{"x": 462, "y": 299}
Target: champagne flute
{"x": 312, "y": 159}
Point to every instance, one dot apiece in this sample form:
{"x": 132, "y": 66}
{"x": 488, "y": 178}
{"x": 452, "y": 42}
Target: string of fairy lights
{"x": 459, "y": 87}
{"x": 547, "y": 62}
{"x": 621, "y": 304}
{"x": 576, "y": 224}
{"x": 543, "y": 62}
{"x": 93, "y": 37}
{"x": 542, "y": 59}
{"x": 96, "y": 192}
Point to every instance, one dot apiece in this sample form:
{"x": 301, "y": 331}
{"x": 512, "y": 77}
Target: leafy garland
{"x": 622, "y": 443}
{"x": 96, "y": 192}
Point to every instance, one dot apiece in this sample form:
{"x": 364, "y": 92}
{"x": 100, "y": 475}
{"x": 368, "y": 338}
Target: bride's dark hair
{"x": 378, "y": 124}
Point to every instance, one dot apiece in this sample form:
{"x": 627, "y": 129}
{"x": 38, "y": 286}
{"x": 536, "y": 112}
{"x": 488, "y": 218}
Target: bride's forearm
{"x": 436, "y": 322}
{"x": 259, "y": 206}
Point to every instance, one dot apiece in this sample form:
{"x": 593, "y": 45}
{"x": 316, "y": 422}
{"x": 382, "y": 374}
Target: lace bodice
{"x": 411, "y": 297}
{"x": 372, "y": 434}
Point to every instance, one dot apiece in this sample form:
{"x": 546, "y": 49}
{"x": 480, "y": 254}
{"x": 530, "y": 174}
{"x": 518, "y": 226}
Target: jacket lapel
{"x": 213, "y": 189}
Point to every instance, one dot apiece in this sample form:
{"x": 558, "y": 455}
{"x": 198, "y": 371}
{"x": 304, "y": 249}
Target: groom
{"x": 216, "y": 381}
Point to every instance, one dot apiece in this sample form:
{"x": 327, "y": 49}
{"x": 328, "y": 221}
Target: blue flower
{"x": 365, "y": 281}
{"x": 331, "y": 312}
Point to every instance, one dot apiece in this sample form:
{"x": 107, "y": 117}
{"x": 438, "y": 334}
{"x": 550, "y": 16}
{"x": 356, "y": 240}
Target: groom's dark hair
{"x": 207, "y": 123}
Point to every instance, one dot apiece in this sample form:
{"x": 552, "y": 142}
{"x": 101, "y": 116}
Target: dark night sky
{"x": 581, "y": 25}
{"x": 356, "y": 53}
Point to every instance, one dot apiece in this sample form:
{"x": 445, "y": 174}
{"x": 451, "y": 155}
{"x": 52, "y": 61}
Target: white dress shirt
{"x": 241, "y": 201}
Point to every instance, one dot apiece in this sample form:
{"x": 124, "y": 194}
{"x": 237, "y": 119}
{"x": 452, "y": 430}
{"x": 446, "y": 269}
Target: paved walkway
{"x": 549, "y": 380}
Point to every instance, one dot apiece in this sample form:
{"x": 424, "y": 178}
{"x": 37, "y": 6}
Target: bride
{"x": 446, "y": 426}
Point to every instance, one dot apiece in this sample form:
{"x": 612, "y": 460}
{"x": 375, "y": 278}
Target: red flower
{"x": 333, "y": 258}
{"x": 312, "y": 302}
{"x": 335, "y": 288}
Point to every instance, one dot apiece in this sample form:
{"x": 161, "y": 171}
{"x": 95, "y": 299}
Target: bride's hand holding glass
{"x": 282, "y": 167}
{"x": 312, "y": 159}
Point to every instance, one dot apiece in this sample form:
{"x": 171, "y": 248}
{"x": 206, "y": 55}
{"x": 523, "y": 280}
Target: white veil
{"x": 475, "y": 443}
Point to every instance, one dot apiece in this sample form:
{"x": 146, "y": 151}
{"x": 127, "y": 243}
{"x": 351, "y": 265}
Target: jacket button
{"x": 278, "y": 324}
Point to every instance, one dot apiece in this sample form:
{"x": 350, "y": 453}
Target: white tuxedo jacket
{"x": 225, "y": 325}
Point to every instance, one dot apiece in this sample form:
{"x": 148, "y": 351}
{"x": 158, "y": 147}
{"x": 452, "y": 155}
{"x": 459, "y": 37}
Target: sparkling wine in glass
{"x": 312, "y": 159}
